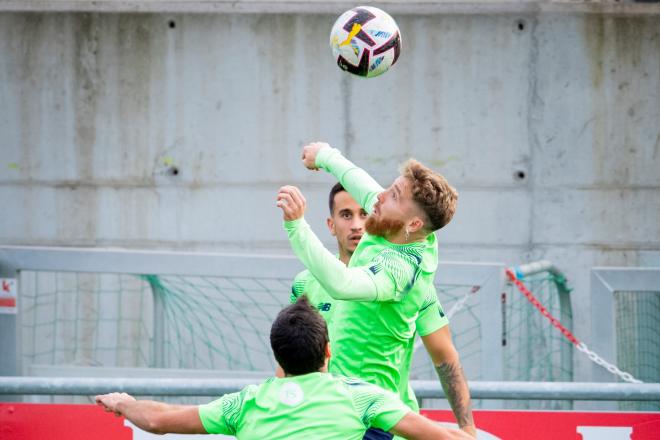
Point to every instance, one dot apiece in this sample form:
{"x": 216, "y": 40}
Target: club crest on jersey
{"x": 291, "y": 394}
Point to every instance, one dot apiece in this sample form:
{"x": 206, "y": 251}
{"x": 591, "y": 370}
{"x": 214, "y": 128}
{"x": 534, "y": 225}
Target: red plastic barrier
{"x": 25, "y": 421}
{"x": 560, "y": 425}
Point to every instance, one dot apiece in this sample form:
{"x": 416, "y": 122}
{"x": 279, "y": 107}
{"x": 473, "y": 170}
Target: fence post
{"x": 10, "y": 360}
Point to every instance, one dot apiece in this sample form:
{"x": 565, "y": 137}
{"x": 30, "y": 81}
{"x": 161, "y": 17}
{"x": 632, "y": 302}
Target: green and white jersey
{"x": 384, "y": 286}
{"x": 318, "y": 406}
{"x": 305, "y": 284}
{"x": 374, "y": 337}
{"x": 431, "y": 318}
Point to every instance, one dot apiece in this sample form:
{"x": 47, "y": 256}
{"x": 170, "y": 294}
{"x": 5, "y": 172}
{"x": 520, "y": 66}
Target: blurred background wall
{"x": 175, "y": 130}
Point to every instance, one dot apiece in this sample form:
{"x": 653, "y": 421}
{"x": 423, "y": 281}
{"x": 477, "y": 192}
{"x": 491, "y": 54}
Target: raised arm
{"x": 450, "y": 372}
{"x": 356, "y": 181}
{"x": 341, "y": 282}
{"x": 151, "y": 416}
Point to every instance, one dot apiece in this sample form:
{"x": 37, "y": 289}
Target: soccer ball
{"x": 365, "y": 41}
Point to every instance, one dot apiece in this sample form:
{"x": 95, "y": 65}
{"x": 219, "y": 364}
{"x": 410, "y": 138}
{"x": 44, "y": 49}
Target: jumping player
{"x": 306, "y": 403}
{"x": 389, "y": 280}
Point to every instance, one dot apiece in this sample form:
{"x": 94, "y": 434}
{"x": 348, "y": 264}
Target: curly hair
{"x": 432, "y": 193}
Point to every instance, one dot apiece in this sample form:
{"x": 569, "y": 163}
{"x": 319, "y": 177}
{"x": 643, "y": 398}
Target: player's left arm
{"x": 152, "y": 416}
{"x": 389, "y": 413}
{"x": 450, "y": 372}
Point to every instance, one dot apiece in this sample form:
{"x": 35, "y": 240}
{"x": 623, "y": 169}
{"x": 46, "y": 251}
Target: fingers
{"x": 290, "y": 198}
{"x": 292, "y": 202}
{"x": 309, "y": 153}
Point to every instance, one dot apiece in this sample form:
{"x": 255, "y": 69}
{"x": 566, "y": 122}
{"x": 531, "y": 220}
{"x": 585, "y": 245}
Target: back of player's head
{"x": 299, "y": 337}
{"x": 432, "y": 193}
{"x": 337, "y": 188}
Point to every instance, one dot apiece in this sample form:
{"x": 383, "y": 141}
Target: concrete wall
{"x": 548, "y": 125}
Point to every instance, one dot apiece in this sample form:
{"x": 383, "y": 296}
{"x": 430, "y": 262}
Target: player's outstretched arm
{"x": 151, "y": 416}
{"x": 450, "y": 372}
{"x": 339, "y": 281}
{"x": 416, "y": 427}
{"x": 355, "y": 180}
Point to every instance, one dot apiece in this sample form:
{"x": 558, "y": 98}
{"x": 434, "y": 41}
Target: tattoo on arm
{"x": 457, "y": 392}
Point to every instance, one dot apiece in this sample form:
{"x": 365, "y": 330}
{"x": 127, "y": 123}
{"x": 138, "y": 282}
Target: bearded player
{"x": 389, "y": 279}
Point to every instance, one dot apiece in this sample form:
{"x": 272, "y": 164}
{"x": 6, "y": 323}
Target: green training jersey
{"x": 373, "y": 337}
{"x": 305, "y": 284}
{"x": 319, "y": 406}
{"x": 385, "y": 286}
{"x": 431, "y": 318}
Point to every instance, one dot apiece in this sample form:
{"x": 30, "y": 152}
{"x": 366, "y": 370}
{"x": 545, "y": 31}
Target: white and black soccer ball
{"x": 365, "y": 41}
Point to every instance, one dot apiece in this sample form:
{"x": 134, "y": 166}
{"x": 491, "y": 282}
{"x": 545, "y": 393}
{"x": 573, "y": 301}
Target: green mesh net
{"x": 222, "y": 324}
{"x": 115, "y": 320}
{"x": 533, "y": 349}
{"x": 638, "y": 340}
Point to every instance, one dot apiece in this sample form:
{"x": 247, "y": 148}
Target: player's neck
{"x": 401, "y": 237}
{"x": 323, "y": 369}
{"x": 344, "y": 256}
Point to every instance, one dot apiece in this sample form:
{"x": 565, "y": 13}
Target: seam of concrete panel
{"x": 309, "y": 185}
{"x": 398, "y": 7}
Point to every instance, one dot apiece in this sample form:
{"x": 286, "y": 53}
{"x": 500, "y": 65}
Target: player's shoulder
{"x": 409, "y": 253}
{"x": 299, "y": 284}
{"x": 302, "y": 279}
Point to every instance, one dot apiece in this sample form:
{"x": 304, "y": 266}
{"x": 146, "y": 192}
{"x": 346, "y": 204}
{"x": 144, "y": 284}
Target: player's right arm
{"x": 152, "y": 416}
{"x": 416, "y": 427}
{"x": 355, "y": 180}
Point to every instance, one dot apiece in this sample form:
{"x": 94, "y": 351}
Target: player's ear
{"x": 328, "y": 353}
{"x": 415, "y": 224}
{"x": 331, "y": 226}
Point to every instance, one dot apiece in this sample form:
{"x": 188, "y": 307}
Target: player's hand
{"x": 111, "y": 401}
{"x": 309, "y": 154}
{"x": 292, "y": 202}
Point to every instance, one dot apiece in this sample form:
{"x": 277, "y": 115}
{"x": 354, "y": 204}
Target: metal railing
{"x": 423, "y": 389}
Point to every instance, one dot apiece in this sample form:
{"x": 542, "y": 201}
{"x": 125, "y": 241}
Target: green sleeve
{"x": 377, "y": 407}
{"x": 339, "y": 281}
{"x": 431, "y": 316}
{"x": 356, "y": 181}
{"x": 299, "y": 285}
{"x": 221, "y": 416}
{"x": 387, "y": 278}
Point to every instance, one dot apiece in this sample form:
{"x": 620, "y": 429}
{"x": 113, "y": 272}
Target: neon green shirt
{"x": 431, "y": 318}
{"x": 385, "y": 285}
{"x": 305, "y": 284}
{"x": 315, "y": 406}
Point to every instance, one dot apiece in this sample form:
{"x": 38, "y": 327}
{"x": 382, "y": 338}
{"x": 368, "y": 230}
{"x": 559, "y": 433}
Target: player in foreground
{"x": 389, "y": 279}
{"x": 308, "y": 403}
{"x": 347, "y": 224}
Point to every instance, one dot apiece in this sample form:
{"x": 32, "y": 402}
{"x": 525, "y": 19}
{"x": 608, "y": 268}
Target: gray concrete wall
{"x": 548, "y": 125}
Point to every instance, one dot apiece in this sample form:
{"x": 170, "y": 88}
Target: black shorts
{"x": 377, "y": 434}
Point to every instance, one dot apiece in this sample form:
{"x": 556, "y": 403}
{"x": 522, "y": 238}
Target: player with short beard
{"x": 390, "y": 275}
